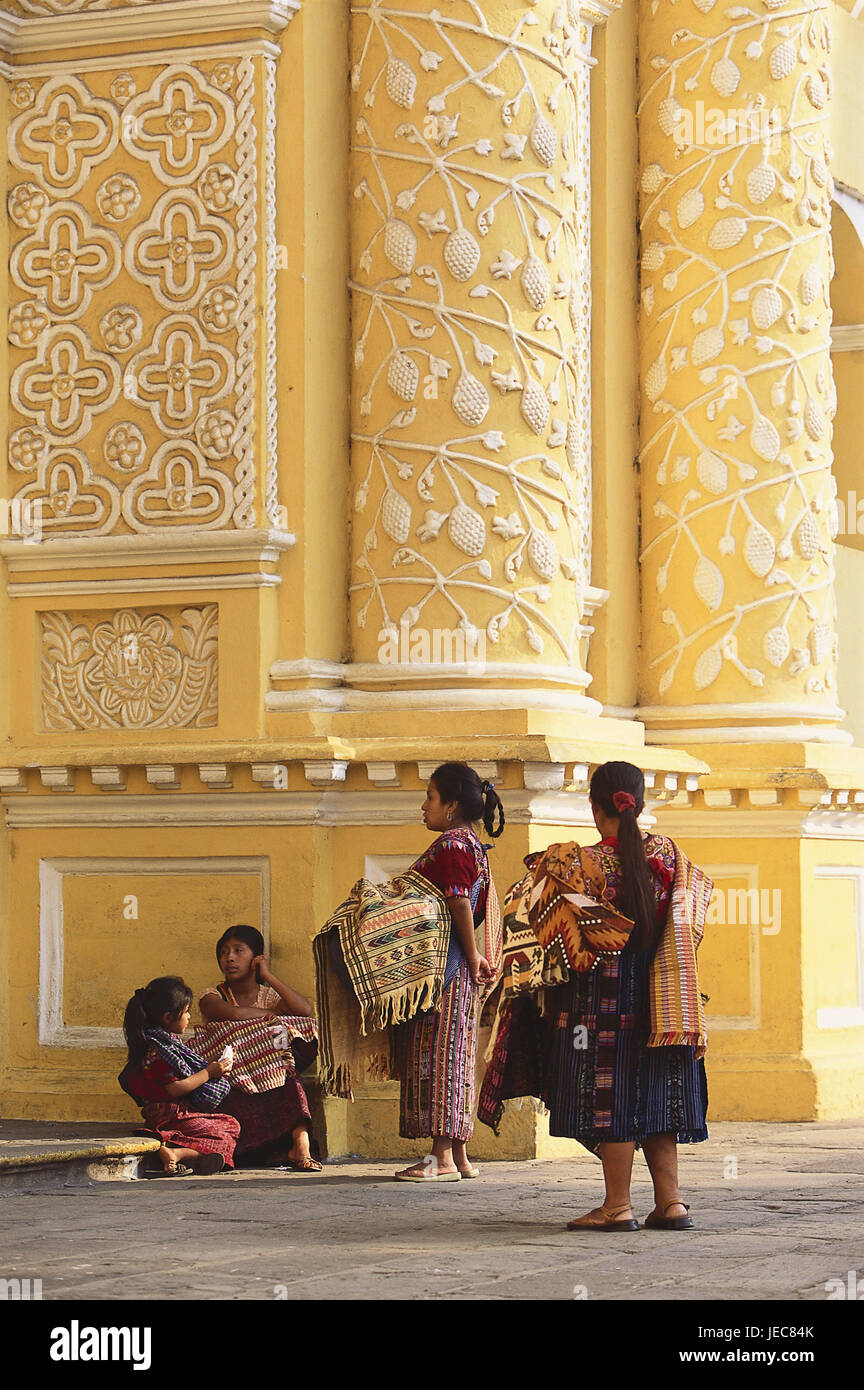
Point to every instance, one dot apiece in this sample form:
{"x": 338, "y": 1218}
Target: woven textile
{"x": 566, "y": 908}
{"x": 262, "y": 1049}
{"x": 393, "y": 939}
{"x": 184, "y": 1062}
{"x": 639, "y": 1072}
{"x": 526, "y": 966}
{"x": 677, "y": 1010}
{"x": 436, "y": 1057}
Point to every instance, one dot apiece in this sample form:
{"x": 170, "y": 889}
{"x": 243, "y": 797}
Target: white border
{"x": 850, "y": 1016}
{"x": 53, "y": 1032}
{"x": 731, "y": 1023}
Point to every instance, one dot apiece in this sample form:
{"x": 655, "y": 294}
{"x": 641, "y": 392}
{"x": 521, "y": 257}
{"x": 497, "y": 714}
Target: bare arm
{"x": 293, "y": 1003}
{"x": 175, "y": 1089}
{"x": 463, "y": 925}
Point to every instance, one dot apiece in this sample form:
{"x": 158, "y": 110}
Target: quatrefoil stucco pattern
{"x": 132, "y": 324}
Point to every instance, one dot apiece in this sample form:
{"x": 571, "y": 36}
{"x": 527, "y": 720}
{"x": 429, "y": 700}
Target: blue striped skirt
{"x": 601, "y": 1083}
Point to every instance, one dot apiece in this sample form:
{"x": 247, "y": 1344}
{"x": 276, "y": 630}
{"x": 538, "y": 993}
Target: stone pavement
{"x": 779, "y": 1210}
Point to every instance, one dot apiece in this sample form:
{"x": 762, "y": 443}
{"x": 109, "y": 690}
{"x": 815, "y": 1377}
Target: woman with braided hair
{"x": 436, "y": 1052}
{"x": 604, "y": 1084}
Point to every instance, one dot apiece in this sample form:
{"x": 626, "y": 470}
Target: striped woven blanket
{"x": 379, "y": 960}
{"x": 262, "y": 1048}
{"x": 677, "y": 1009}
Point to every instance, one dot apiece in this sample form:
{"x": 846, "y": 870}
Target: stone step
{"x": 52, "y": 1156}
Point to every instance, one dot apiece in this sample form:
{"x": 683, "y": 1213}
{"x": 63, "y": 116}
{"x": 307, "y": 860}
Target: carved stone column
{"x": 471, "y": 309}
{"x": 737, "y": 492}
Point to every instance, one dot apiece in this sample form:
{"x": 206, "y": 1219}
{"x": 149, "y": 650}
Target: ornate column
{"x": 737, "y": 492}
{"x": 471, "y": 464}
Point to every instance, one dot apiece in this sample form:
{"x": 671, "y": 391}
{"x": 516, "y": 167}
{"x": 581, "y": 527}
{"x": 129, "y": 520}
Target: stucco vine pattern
{"x": 738, "y": 497}
{"x": 471, "y": 305}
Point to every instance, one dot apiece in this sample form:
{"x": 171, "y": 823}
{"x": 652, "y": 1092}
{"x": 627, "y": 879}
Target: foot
{"x": 669, "y": 1209}
{"x": 670, "y": 1216}
{"x": 462, "y": 1161}
{"x": 303, "y": 1162}
{"x": 427, "y": 1168}
{"x": 603, "y": 1219}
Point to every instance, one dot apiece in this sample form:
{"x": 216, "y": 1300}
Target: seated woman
{"x": 274, "y": 1125}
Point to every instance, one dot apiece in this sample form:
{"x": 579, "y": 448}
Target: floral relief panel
{"x": 132, "y": 206}
{"x": 130, "y": 669}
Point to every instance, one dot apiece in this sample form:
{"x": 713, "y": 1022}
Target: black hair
{"x": 167, "y": 995}
{"x": 478, "y": 800}
{"x": 250, "y": 936}
{"x": 638, "y": 888}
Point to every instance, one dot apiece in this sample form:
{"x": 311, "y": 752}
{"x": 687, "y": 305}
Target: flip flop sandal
{"x": 181, "y": 1171}
{"x": 470, "y": 1172}
{"x": 428, "y": 1177}
{"x": 670, "y": 1223}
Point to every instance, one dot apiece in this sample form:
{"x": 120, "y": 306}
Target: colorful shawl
{"x": 567, "y": 908}
{"x": 185, "y": 1062}
{"x": 262, "y": 1048}
{"x": 677, "y": 1015}
{"x": 677, "y": 1009}
{"x": 379, "y": 959}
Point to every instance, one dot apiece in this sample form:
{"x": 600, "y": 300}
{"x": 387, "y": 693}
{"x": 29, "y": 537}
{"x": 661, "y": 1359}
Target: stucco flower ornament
{"x": 117, "y": 197}
{"x": 135, "y": 668}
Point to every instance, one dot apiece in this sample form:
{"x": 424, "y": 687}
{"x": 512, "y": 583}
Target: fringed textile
{"x": 379, "y": 959}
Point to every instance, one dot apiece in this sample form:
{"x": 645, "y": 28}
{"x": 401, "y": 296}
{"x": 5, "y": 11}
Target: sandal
{"x": 602, "y": 1220}
{"x": 300, "y": 1165}
{"x": 179, "y": 1171}
{"x": 470, "y": 1172}
{"x": 407, "y": 1176}
{"x": 670, "y": 1223}
{"x": 208, "y": 1164}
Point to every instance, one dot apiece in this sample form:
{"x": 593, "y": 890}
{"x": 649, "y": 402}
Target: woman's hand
{"x": 481, "y": 971}
{"x": 264, "y": 973}
{"x": 220, "y": 1067}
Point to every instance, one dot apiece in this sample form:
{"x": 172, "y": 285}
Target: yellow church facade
{"x": 388, "y": 383}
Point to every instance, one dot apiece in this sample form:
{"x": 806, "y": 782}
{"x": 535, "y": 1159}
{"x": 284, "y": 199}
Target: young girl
{"x": 179, "y": 1094}
{"x": 275, "y": 1124}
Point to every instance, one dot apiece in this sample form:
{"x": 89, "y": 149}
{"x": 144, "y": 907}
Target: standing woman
{"x": 616, "y": 1093}
{"x": 436, "y": 1052}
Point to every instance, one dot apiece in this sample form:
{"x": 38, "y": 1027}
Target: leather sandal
{"x": 670, "y": 1223}
{"x": 602, "y": 1220}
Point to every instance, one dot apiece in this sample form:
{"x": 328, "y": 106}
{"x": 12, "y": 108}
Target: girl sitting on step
{"x": 178, "y": 1092}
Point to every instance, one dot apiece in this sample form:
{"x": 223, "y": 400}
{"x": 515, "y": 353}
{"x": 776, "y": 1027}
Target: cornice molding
{"x": 163, "y": 21}
{"x": 63, "y": 554}
{"x": 380, "y": 806}
{"x": 847, "y": 337}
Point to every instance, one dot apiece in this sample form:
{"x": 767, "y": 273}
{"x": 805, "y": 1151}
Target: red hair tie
{"x": 623, "y": 801}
